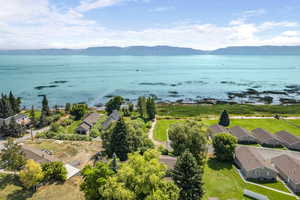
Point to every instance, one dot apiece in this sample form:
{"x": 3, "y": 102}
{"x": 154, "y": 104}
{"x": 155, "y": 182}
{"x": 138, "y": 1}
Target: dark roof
{"x": 20, "y": 116}
{"x": 91, "y": 119}
{"x": 250, "y": 158}
{"x": 262, "y": 135}
{"x": 287, "y": 137}
{"x": 114, "y": 116}
{"x": 168, "y": 160}
{"x": 85, "y": 126}
{"x": 214, "y": 129}
{"x": 37, "y": 155}
{"x": 289, "y": 166}
{"x": 239, "y": 132}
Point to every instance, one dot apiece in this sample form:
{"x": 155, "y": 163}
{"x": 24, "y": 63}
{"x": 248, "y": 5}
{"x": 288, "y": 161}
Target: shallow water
{"x": 91, "y": 78}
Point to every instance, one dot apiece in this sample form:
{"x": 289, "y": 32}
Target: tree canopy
{"x": 188, "y": 177}
{"x": 224, "y": 145}
{"x": 224, "y": 119}
{"x": 9, "y": 105}
{"x": 189, "y": 136}
{"x": 54, "y": 171}
{"x": 78, "y": 110}
{"x": 12, "y": 157}
{"x": 32, "y": 174}
{"x": 114, "y": 104}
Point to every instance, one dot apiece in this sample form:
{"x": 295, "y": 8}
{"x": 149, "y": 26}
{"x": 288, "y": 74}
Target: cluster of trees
{"x": 78, "y": 111}
{"x": 13, "y": 129}
{"x": 32, "y": 173}
{"x": 224, "y": 145}
{"x": 146, "y": 107}
{"x": 140, "y": 178}
{"x": 9, "y": 105}
{"x": 114, "y": 104}
{"x": 125, "y": 137}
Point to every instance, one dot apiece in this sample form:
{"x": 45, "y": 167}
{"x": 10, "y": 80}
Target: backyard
{"x": 223, "y": 181}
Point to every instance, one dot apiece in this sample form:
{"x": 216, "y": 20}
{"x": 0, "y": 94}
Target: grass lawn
{"x": 71, "y": 128}
{"x": 271, "y": 125}
{"x": 161, "y": 127}
{"x": 193, "y": 110}
{"x": 223, "y": 181}
{"x": 11, "y": 189}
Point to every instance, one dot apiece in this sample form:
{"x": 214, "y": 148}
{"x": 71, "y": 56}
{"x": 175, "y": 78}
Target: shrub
{"x": 66, "y": 122}
{"x": 224, "y": 145}
{"x": 54, "y": 171}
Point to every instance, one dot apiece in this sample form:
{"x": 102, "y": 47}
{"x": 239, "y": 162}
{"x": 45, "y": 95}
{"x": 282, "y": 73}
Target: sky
{"x": 199, "y": 24}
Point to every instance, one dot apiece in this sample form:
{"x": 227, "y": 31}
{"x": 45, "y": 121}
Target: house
{"x": 19, "y": 118}
{"x": 242, "y": 135}
{"x": 265, "y": 138}
{"x": 114, "y": 116}
{"x": 168, "y": 160}
{"x": 88, "y": 123}
{"x": 216, "y": 129}
{"x": 252, "y": 165}
{"x": 289, "y": 170}
{"x": 288, "y": 140}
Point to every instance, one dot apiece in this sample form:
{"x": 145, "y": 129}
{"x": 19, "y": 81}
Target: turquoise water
{"x": 91, "y": 78}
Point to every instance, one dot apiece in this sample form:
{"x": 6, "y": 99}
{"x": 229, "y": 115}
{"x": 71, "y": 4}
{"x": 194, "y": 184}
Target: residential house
{"x": 88, "y": 123}
{"x": 216, "y": 129}
{"x": 242, "y": 135}
{"x": 265, "y": 138}
{"x": 114, "y": 116}
{"x": 289, "y": 170}
{"x": 252, "y": 165}
{"x": 20, "y": 119}
{"x": 288, "y": 140}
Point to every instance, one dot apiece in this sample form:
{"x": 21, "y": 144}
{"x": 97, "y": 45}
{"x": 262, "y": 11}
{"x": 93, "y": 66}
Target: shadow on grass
{"x": 20, "y": 194}
{"x": 8, "y": 179}
{"x": 214, "y": 164}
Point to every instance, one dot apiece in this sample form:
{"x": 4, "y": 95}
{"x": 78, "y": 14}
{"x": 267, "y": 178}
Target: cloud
{"x": 46, "y": 26}
{"x": 162, "y": 9}
{"x": 90, "y": 5}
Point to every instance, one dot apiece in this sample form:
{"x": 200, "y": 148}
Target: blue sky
{"x": 201, "y": 24}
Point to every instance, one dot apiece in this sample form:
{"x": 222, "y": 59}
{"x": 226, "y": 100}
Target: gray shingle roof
{"x": 239, "y": 132}
{"x": 215, "y": 129}
{"x": 262, "y": 135}
{"x": 287, "y": 137}
{"x": 250, "y": 158}
{"x": 289, "y": 166}
{"x": 114, "y": 116}
{"x": 168, "y": 160}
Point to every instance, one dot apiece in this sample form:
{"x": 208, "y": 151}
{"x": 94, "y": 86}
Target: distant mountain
{"x": 111, "y": 51}
{"x": 160, "y": 51}
{"x": 258, "y": 50}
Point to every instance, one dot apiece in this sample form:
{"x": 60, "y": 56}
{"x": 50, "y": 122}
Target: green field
{"x": 223, "y": 181}
{"x": 271, "y": 125}
{"x": 193, "y": 110}
{"x": 161, "y": 128}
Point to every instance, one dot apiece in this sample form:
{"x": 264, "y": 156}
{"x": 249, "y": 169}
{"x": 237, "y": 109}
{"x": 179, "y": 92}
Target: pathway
{"x": 151, "y": 137}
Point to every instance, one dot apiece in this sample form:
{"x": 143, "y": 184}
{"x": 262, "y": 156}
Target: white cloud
{"x": 89, "y": 5}
{"x": 45, "y": 26}
{"x": 162, "y": 9}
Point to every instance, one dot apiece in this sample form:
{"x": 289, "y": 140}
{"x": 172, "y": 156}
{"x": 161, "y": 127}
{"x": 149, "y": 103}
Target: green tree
{"x": 224, "y": 145}
{"x": 15, "y": 129}
{"x": 114, "y": 163}
{"x": 93, "y": 179}
{"x": 31, "y": 175}
{"x": 142, "y": 107}
{"x": 189, "y": 135}
{"x": 119, "y": 140}
{"x": 140, "y": 178}
{"x": 224, "y": 119}
{"x": 131, "y": 107}
{"x": 43, "y": 121}
{"x": 114, "y": 104}
{"x": 12, "y": 157}
{"x": 67, "y": 107}
{"x": 150, "y": 106}
{"x": 32, "y": 117}
{"x": 78, "y": 110}
{"x": 45, "y": 106}
{"x": 5, "y": 107}
{"x": 188, "y": 177}
{"x": 54, "y": 171}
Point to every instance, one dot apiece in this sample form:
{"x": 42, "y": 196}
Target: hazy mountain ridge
{"x": 160, "y": 51}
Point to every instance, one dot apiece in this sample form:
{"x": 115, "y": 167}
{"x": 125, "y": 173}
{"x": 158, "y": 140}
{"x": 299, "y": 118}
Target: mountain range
{"x": 160, "y": 51}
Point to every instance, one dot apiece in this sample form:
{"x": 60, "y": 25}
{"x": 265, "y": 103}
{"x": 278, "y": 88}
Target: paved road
{"x": 25, "y": 137}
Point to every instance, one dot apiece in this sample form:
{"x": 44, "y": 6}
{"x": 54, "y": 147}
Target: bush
{"x": 224, "y": 145}
{"x": 66, "y": 122}
{"x": 163, "y": 150}
{"x": 54, "y": 171}
{"x": 54, "y": 127}
{"x": 58, "y": 136}
{"x": 95, "y": 133}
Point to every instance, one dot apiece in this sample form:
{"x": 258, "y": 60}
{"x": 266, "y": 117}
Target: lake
{"x": 93, "y": 79}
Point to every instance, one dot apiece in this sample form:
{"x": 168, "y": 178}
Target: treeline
{"x": 9, "y": 105}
